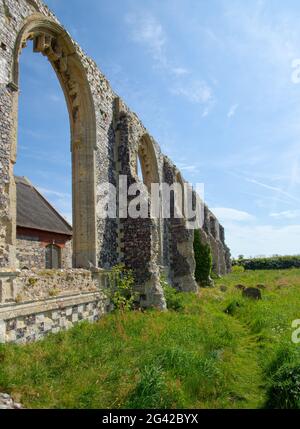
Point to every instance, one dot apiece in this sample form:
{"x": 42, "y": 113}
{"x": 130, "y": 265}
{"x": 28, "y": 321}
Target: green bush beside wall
{"x": 203, "y": 258}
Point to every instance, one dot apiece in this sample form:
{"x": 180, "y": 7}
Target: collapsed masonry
{"x": 106, "y": 141}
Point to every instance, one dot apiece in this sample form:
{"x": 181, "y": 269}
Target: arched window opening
{"x": 53, "y": 42}
{"x": 43, "y": 168}
{"x": 44, "y": 155}
{"x": 52, "y": 257}
{"x": 143, "y": 167}
{"x": 139, "y": 171}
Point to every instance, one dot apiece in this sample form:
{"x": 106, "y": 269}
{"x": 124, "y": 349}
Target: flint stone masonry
{"x": 106, "y": 140}
{"x": 38, "y": 285}
{"x": 31, "y": 253}
{"x": 24, "y": 323}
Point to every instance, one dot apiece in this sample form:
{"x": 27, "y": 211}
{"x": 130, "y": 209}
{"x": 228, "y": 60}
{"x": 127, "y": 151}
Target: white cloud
{"x": 232, "y": 110}
{"x": 54, "y": 193}
{"x": 147, "y": 31}
{"x": 287, "y": 214}
{"x": 205, "y": 112}
{"x": 292, "y": 160}
{"x": 55, "y": 98}
{"x": 244, "y": 235}
{"x": 253, "y": 240}
{"x": 191, "y": 168}
{"x": 61, "y": 201}
{"x": 274, "y": 40}
{"x": 273, "y": 188}
{"x": 196, "y": 92}
{"x": 225, "y": 214}
{"x": 33, "y": 134}
{"x": 180, "y": 71}
{"x": 68, "y": 217}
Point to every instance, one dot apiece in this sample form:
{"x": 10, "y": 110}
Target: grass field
{"x": 218, "y": 350}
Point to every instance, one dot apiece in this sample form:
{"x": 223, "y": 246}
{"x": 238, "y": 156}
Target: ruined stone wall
{"x": 37, "y": 285}
{"x": 106, "y": 139}
{"x": 179, "y": 240}
{"x": 34, "y": 303}
{"x": 24, "y": 323}
{"x": 42, "y": 284}
{"x": 213, "y": 233}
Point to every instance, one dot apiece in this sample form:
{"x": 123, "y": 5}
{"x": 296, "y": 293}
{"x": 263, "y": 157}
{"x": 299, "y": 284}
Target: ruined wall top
{"x": 106, "y": 136}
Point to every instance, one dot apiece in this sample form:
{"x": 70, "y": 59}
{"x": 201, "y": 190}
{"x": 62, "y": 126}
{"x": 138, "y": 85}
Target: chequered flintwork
{"x": 64, "y": 313}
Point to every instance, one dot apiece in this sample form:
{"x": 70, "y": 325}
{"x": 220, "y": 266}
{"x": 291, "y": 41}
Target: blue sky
{"x": 211, "y": 80}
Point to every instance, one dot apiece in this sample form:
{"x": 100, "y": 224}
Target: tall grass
{"x": 200, "y": 356}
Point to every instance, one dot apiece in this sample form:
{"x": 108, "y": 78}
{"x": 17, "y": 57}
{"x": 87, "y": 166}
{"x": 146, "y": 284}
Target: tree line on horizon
{"x": 275, "y": 262}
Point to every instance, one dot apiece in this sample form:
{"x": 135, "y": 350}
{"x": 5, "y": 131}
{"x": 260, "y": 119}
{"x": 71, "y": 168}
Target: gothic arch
{"x": 150, "y": 172}
{"x": 52, "y": 41}
{"x": 148, "y": 160}
{"x": 179, "y": 180}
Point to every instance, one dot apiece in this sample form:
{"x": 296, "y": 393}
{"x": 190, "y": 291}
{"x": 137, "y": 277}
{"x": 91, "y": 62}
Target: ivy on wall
{"x": 203, "y": 258}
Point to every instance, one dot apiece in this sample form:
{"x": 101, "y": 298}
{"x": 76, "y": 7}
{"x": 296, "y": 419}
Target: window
{"x": 53, "y": 257}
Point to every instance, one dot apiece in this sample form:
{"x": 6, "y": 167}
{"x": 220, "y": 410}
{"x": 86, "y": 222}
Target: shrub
{"x": 284, "y": 388}
{"x": 238, "y": 269}
{"x": 232, "y": 307}
{"x": 203, "y": 258}
{"x": 173, "y": 298}
{"x": 121, "y": 283}
{"x": 32, "y": 281}
{"x": 272, "y": 263}
{"x": 215, "y": 276}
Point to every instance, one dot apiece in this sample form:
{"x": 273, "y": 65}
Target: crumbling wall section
{"x": 179, "y": 238}
{"x": 139, "y": 238}
{"x": 213, "y": 234}
{"x": 37, "y": 285}
{"x": 106, "y": 137}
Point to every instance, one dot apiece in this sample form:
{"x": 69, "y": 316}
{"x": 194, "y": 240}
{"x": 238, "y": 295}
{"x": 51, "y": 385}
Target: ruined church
{"x": 107, "y": 140}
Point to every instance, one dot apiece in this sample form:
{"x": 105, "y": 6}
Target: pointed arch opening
{"x": 148, "y": 172}
{"x": 146, "y": 162}
{"x": 53, "y": 42}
